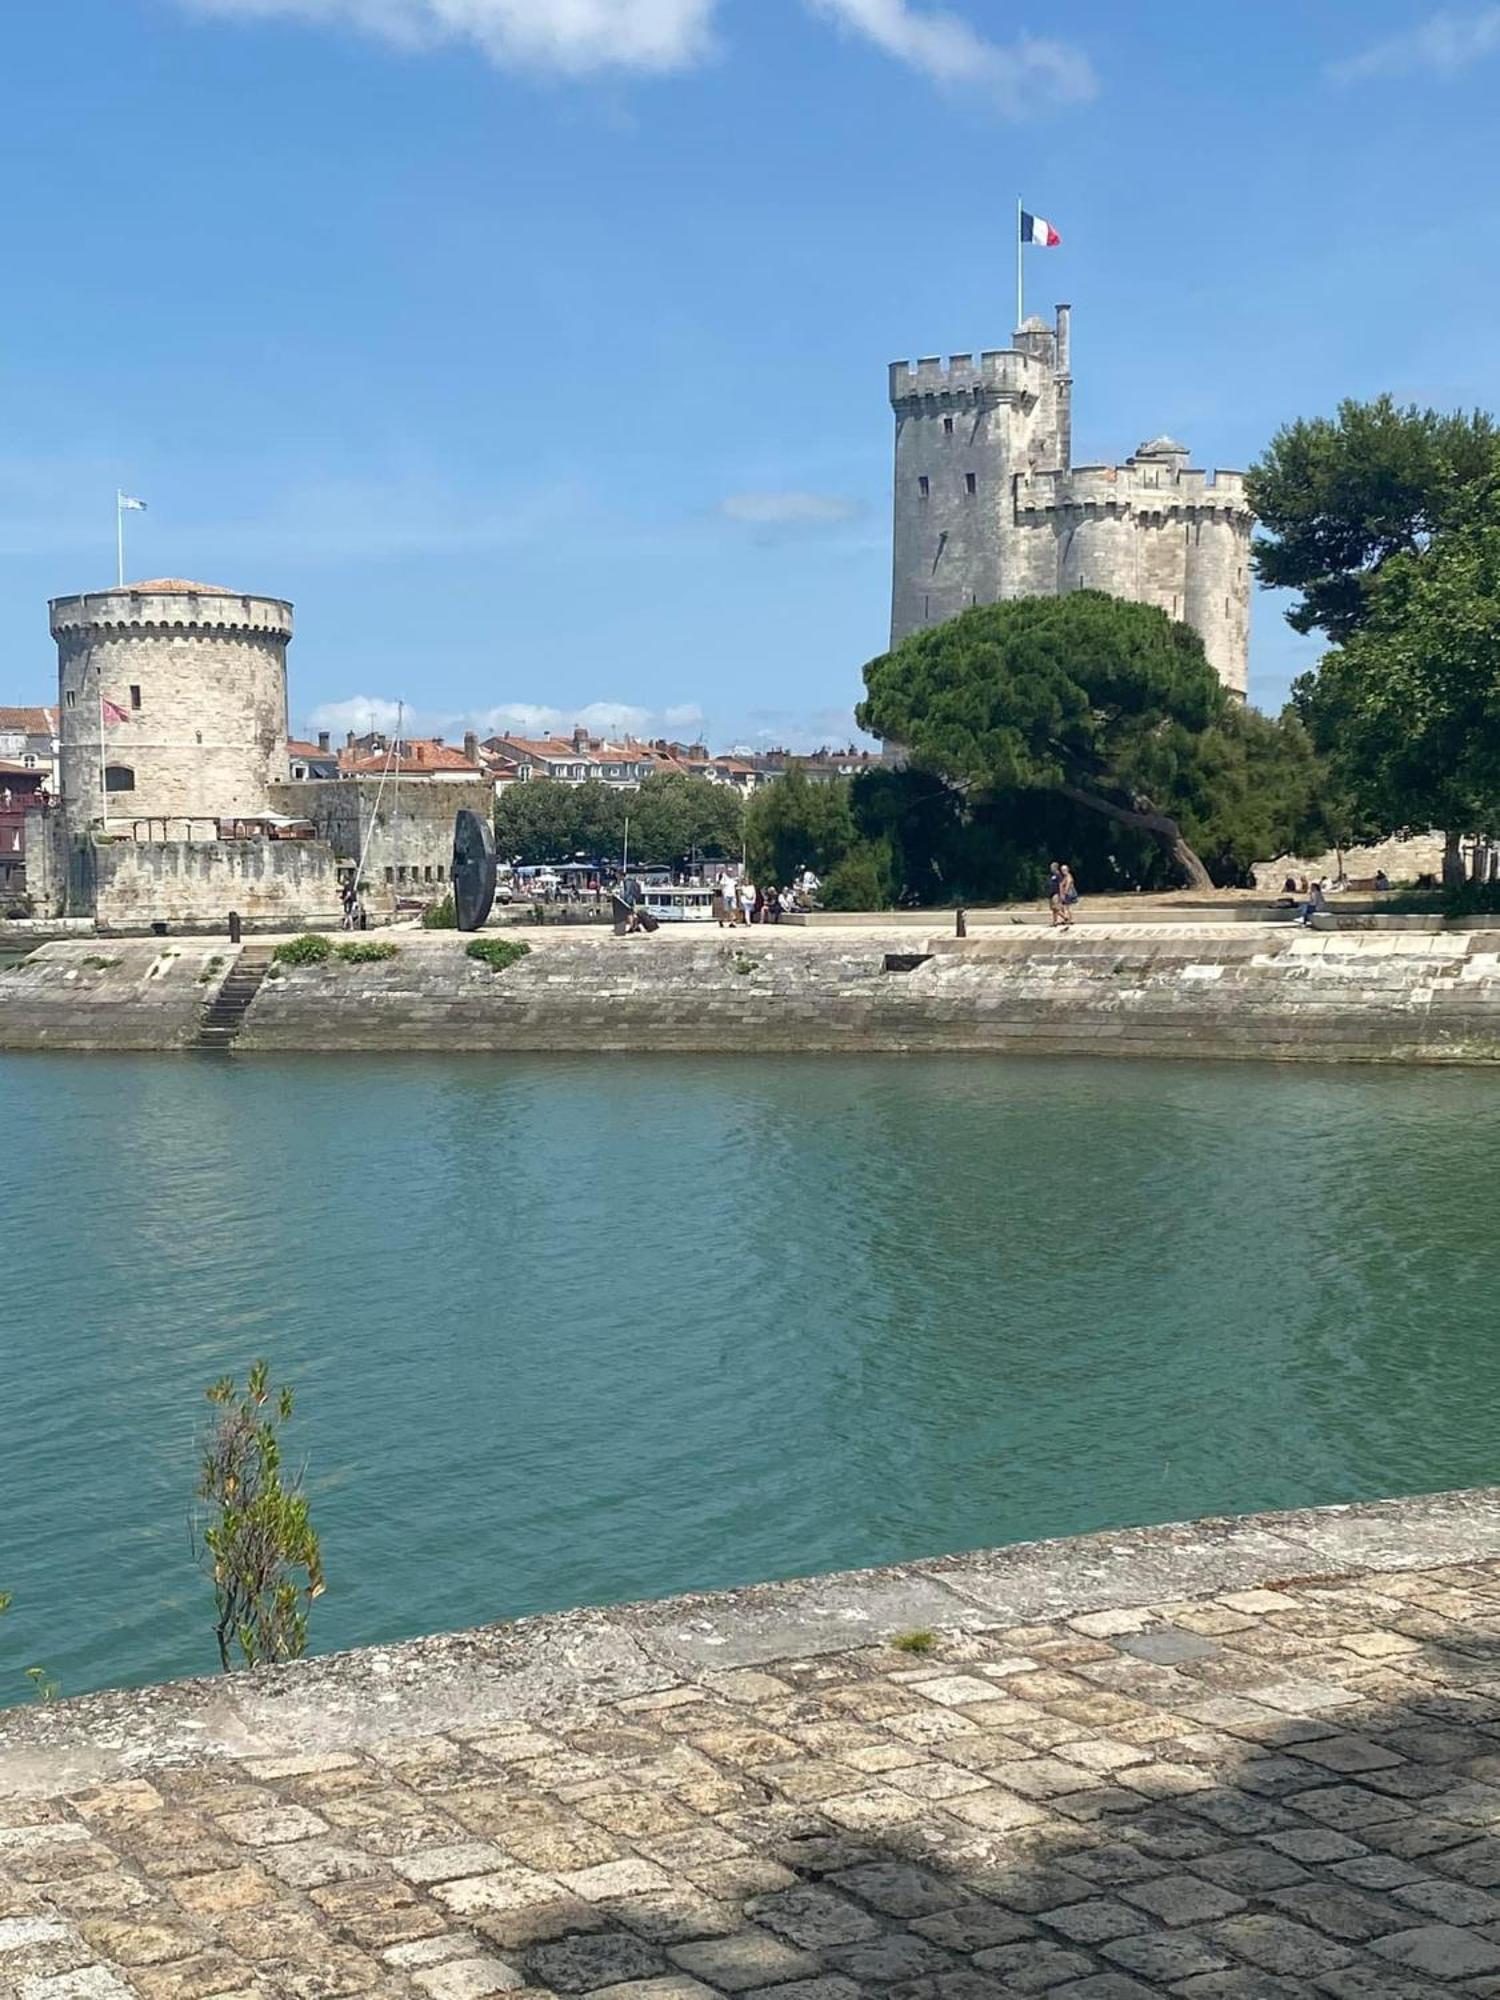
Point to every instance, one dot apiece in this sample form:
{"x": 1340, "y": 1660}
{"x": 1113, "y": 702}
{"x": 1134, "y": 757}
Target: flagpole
{"x": 1020, "y": 270}
{"x": 120, "y": 547}
{"x": 103, "y": 785}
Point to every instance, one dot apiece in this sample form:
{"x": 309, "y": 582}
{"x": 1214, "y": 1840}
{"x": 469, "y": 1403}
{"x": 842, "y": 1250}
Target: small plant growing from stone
{"x": 258, "y": 1542}
{"x": 441, "y": 916}
{"x": 497, "y": 953}
{"x": 42, "y": 1688}
{"x": 210, "y": 971}
{"x": 915, "y": 1642}
{"x": 743, "y": 965}
{"x": 367, "y": 951}
{"x": 309, "y": 949}
{"x": 97, "y": 964}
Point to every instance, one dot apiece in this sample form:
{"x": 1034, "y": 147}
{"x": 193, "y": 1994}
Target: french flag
{"x": 1036, "y": 229}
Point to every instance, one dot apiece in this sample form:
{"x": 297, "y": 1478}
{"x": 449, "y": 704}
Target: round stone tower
{"x": 171, "y": 702}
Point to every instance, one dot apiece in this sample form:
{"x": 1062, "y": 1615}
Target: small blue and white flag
{"x": 130, "y": 506}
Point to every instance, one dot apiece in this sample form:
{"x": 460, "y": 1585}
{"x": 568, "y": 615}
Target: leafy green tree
{"x": 1408, "y": 709}
{"x": 795, "y": 823}
{"x": 258, "y": 1542}
{"x": 1339, "y": 497}
{"x": 674, "y": 817}
{"x": 1086, "y": 700}
{"x": 546, "y": 820}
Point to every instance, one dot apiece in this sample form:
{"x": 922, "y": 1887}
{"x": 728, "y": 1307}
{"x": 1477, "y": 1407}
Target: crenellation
{"x": 996, "y": 510}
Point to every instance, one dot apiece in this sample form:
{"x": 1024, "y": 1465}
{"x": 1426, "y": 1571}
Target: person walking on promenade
{"x": 1054, "y": 893}
{"x": 1069, "y": 894}
{"x": 721, "y": 906}
{"x": 747, "y": 900}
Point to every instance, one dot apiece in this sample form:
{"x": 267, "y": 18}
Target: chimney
{"x": 349, "y": 740}
{"x": 438, "y": 741}
{"x": 471, "y": 746}
{"x": 580, "y": 738}
{"x": 322, "y": 739}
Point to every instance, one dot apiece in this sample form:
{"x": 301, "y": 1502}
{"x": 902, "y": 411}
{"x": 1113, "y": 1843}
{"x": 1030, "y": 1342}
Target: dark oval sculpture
{"x": 473, "y": 870}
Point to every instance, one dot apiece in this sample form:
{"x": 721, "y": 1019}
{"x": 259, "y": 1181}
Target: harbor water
{"x": 567, "y": 1331}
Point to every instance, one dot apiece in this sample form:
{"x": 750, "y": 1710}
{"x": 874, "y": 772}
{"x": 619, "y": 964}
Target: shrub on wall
{"x": 440, "y": 916}
{"x": 368, "y": 951}
{"x": 497, "y": 953}
{"x": 309, "y": 949}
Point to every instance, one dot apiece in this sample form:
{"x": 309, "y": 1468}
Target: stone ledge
{"x": 496, "y": 1675}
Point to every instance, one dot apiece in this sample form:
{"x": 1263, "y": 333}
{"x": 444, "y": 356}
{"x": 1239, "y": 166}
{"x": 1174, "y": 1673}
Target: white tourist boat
{"x": 673, "y": 903}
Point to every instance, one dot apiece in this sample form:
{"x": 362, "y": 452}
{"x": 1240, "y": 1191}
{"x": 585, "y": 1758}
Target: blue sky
{"x": 537, "y": 348}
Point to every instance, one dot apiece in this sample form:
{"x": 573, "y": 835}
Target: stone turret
{"x": 988, "y": 505}
{"x": 193, "y": 682}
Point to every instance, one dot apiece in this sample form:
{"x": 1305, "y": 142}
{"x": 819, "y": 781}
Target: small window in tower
{"x": 947, "y": 427}
{"x": 119, "y": 778}
{"x": 1226, "y": 607}
{"x": 135, "y": 697}
{"x": 926, "y": 607}
{"x": 72, "y": 698}
{"x": 971, "y": 484}
{"x": 924, "y": 485}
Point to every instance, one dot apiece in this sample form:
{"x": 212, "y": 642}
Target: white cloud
{"x": 574, "y": 37}
{"x": 614, "y": 719}
{"x": 788, "y": 510}
{"x": 1444, "y": 45}
{"x": 1029, "y": 74}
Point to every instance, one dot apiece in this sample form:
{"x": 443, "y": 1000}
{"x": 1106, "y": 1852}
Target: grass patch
{"x": 497, "y": 953}
{"x": 96, "y": 964}
{"x": 915, "y": 1642}
{"x": 742, "y": 965}
{"x": 440, "y": 916}
{"x": 210, "y": 971}
{"x": 309, "y": 949}
{"x": 368, "y": 951}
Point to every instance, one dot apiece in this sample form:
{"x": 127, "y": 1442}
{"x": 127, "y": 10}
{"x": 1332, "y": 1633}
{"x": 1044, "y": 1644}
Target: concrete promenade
{"x": 1243, "y": 1760}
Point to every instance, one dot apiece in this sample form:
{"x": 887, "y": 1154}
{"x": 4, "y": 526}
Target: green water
{"x": 574, "y": 1330}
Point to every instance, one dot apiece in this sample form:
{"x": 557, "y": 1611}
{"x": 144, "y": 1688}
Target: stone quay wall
{"x": 1243, "y": 1759}
{"x": 1231, "y": 990}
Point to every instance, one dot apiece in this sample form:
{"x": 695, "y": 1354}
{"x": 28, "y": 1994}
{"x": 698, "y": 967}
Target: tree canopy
{"x": 1086, "y": 699}
{"x": 1339, "y": 497}
{"x": 672, "y": 816}
{"x": 1408, "y": 709}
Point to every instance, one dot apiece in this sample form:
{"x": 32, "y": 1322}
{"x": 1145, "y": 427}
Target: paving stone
{"x": 887, "y": 1957}
{"x": 1165, "y": 1956}
{"x": 1034, "y": 1965}
{"x": 1093, "y": 1921}
{"x": 1183, "y": 1899}
{"x": 579, "y": 1963}
{"x": 972, "y": 1927}
{"x": 747, "y": 1958}
{"x": 898, "y": 1888}
{"x": 812, "y": 1917}
{"x": 1276, "y": 1944}
{"x": 467, "y": 1978}
{"x": 1442, "y": 1951}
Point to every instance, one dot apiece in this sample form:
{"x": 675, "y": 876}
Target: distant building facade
{"x": 989, "y": 505}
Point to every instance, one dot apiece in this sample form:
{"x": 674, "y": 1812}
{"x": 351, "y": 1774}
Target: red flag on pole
{"x": 112, "y": 711}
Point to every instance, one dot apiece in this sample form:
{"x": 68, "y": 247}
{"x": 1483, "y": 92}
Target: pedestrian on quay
{"x": 747, "y": 900}
{"x": 1069, "y": 890}
{"x": 1054, "y": 893}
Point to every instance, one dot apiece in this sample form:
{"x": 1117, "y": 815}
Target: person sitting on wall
{"x": 1382, "y": 880}
{"x": 1313, "y": 907}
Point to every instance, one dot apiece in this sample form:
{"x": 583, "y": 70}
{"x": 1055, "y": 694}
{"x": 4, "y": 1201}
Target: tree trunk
{"x": 1164, "y": 830}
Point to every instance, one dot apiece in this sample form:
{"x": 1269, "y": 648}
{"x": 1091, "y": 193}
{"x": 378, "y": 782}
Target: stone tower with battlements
{"x": 195, "y": 680}
{"x": 989, "y": 505}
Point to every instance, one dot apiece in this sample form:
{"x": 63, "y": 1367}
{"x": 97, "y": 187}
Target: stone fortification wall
{"x": 201, "y": 677}
{"x": 1159, "y": 990}
{"x": 406, "y": 839}
{"x": 269, "y": 882}
{"x": 1403, "y": 861}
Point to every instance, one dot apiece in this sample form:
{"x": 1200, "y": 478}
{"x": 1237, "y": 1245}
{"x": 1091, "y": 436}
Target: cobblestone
{"x": 1286, "y": 1790}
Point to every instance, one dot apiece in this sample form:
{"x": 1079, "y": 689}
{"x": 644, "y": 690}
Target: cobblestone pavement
{"x": 1288, "y": 1790}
